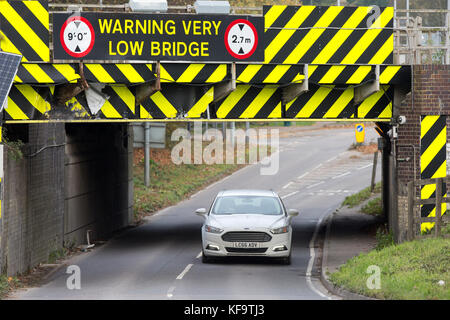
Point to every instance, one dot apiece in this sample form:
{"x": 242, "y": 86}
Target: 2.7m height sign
{"x": 152, "y": 37}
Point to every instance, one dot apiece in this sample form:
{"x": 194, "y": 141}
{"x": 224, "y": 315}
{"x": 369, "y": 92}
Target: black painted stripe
{"x": 269, "y": 106}
{"x": 243, "y": 103}
{"x": 25, "y": 49}
{"x": 326, "y": 104}
{"x": 432, "y": 133}
{"x": 31, "y": 20}
{"x": 300, "y": 102}
{"x": 435, "y": 164}
{"x": 374, "y": 46}
{"x": 22, "y": 102}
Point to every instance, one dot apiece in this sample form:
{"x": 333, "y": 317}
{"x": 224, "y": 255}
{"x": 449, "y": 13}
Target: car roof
{"x": 247, "y": 192}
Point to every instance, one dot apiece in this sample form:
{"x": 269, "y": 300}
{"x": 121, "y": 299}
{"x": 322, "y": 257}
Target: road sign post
{"x": 359, "y": 133}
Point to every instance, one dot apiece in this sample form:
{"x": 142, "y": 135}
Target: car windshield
{"x": 247, "y": 205}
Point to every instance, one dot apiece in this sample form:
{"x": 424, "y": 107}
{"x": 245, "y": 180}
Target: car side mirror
{"x": 201, "y": 212}
{"x": 293, "y": 212}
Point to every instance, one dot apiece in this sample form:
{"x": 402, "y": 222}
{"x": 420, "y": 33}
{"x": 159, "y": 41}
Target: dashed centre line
{"x": 186, "y": 270}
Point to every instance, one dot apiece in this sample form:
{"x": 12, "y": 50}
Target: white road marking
{"x": 369, "y": 165}
{"x": 199, "y": 255}
{"x": 287, "y": 185}
{"x": 186, "y": 270}
{"x": 317, "y": 167}
{"x": 316, "y": 184}
{"x": 299, "y": 177}
{"x": 290, "y": 194}
{"x": 342, "y": 175}
{"x": 170, "y": 292}
{"x": 312, "y": 255}
{"x": 329, "y": 160}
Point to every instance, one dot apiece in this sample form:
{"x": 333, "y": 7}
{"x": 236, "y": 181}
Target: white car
{"x": 247, "y": 223}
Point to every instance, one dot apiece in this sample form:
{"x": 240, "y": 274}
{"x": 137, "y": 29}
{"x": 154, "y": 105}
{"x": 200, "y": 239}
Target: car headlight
{"x": 212, "y": 229}
{"x": 284, "y": 229}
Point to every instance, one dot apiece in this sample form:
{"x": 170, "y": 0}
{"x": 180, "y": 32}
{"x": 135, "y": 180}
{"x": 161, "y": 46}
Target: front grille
{"x": 246, "y": 237}
{"x": 246, "y": 250}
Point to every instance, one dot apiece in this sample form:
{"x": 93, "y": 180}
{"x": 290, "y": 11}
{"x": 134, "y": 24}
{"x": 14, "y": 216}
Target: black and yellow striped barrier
{"x": 433, "y": 161}
{"x": 332, "y": 34}
{"x": 25, "y": 29}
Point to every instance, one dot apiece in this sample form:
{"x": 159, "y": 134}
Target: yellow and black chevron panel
{"x": 433, "y": 161}
{"x": 334, "y": 102}
{"x": 120, "y": 104}
{"x": 123, "y": 73}
{"x": 269, "y": 73}
{"x": 250, "y": 102}
{"x": 194, "y": 73}
{"x": 25, "y": 29}
{"x": 33, "y": 73}
{"x": 26, "y": 102}
{"x": 334, "y": 34}
{"x": 78, "y": 106}
{"x": 395, "y": 75}
{"x": 157, "y": 106}
{"x": 340, "y": 74}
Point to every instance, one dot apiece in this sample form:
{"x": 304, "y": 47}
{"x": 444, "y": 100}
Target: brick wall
{"x": 430, "y": 96}
{"x": 63, "y": 186}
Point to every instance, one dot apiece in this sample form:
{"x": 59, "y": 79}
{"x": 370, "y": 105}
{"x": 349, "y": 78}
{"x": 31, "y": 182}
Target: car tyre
{"x": 206, "y": 259}
{"x": 286, "y": 260}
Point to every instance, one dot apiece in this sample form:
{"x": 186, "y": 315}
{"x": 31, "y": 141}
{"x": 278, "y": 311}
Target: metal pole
{"x": 232, "y": 127}
{"x": 438, "y": 212}
{"x": 147, "y": 153}
{"x": 247, "y": 128}
{"x": 374, "y": 171}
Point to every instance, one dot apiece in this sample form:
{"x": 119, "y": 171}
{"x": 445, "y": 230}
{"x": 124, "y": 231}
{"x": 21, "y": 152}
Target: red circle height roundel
{"x": 241, "y": 39}
{"x": 85, "y": 32}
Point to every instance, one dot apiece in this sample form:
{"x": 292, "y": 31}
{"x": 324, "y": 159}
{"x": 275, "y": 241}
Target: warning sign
{"x": 77, "y": 36}
{"x": 241, "y": 39}
{"x": 153, "y": 37}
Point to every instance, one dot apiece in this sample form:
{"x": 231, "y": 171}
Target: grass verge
{"x": 358, "y": 198}
{"x": 373, "y": 207}
{"x": 412, "y": 270}
{"x": 171, "y": 183}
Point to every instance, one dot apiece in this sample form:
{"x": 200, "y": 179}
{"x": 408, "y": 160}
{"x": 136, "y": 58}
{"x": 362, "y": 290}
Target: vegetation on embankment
{"x": 358, "y": 198}
{"x": 418, "y": 269}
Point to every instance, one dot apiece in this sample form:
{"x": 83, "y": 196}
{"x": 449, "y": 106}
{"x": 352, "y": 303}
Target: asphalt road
{"x": 161, "y": 258}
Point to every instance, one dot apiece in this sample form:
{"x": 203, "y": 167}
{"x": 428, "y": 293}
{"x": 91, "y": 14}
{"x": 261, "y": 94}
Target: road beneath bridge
{"x": 161, "y": 258}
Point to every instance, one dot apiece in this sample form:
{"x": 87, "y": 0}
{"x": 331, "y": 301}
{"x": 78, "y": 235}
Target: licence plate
{"x": 246, "y": 245}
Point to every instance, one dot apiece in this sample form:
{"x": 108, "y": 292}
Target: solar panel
{"x": 9, "y": 63}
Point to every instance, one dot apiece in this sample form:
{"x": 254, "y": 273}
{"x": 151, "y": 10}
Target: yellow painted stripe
{"x": 332, "y": 74}
{"x": 128, "y": 70}
{"x": 14, "y": 111}
{"x": 430, "y": 153}
{"x": 109, "y": 111}
{"x": 441, "y": 172}
{"x": 284, "y": 35}
{"x": 311, "y": 37}
{"x": 191, "y": 72}
{"x": 387, "y": 112}
{"x": 272, "y": 15}
{"x": 42, "y": 49}
{"x": 36, "y": 71}
{"x": 164, "y": 105}
{"x": 7, "y": 46}
{"x": 311, "y": 70}
{"x": 145, "y": 114}
{"x": 426, "y": 124}
{"x": 314, "y": 102}
{"x": 359, "y": 75}
{"x": 368, "y": 103}
{"x": 386, "y": 49}
{"x": 388, "y": 74}
{"x": 277, "y": 73}
{"x": 100, "y": 73}
{"x": 369, "y": 36}
{"x": 17, "y": 79}
{"x": 231, "y": 100}
{"x": 127, "y": 97}
{"x": 336, "y": 42}
{"x": 258, "y": 102}
{"x": 34, "y": 98}
{"x": 249, "y": 72}
{"x": 276, "y": 113}
{"x": 202, "y": 104}
{"x": 39, "y": 12}
{"x": 218, "y": 75}
{"x": 165, "y": 76}
{"x": 340, "y": 104}
{"x": 67, "y": 71}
